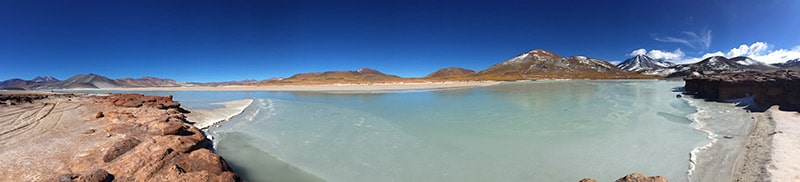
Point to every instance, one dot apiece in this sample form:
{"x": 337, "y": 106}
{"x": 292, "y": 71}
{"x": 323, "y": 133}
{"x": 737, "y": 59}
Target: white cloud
{"x": 755, "y": 49}
{"x": 638, "y": 52}
{"x": 665, "y": 55}
{"x": 694, "y": 40}
{"x": 659, "y": 54}
{"x": 759, "y": 51}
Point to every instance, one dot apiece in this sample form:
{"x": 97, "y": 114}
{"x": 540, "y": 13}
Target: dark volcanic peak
{"x": 643, "y": 63}
{"x": 789, "y": 63}
{"x": 450, "y": 72}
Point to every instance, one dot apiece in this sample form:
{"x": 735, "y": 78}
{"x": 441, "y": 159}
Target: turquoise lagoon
{"x": 520, "y": 131}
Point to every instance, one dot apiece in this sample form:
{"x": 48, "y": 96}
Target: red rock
{"x": 120, "y": 148}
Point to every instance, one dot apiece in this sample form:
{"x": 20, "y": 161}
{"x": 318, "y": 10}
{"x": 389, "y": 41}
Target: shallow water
{"x": 527, "y": 131}
{"x": 532, "y": 131}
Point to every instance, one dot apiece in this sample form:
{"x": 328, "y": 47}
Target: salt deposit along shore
{"x": 325, "y": 87}
{"x": 205, "y": 118}
{"x": 120, "y": 137}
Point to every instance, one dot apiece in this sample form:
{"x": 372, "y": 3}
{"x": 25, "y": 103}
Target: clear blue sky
{"x": 235, "y": 40}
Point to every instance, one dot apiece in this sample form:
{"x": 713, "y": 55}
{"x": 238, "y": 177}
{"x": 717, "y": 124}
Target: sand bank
{"x": 772, "y": 152}
{"x": 330, "y": 87}
{"x": 205, "y": 118}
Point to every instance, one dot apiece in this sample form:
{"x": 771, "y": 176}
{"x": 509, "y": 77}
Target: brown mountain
{"x": 364, "y": 75}
{"x": 542, "y": 64}
{"x": 450, "y": 73}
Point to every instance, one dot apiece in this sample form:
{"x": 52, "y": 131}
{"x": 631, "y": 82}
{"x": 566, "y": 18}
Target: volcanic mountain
{"x": 789, "y": 64}
{"x": 452, "y": 72}
{"x": 645, "y": 65}
{"x": 719, "y": 64}
{"x": 364, "y": 75}
{"x": 542, "y": 64}
{"x": 20, "y": 84}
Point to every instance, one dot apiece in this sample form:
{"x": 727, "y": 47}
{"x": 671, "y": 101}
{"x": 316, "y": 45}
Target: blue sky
{"x": 235, "y": 40}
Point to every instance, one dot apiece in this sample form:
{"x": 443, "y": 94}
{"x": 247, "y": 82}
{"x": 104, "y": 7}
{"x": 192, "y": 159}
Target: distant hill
{"x": 718, "y": 64}
{"x": 542, "y": 64}
{"x": 645, "y": 65}
{"x": 450, "y": 73}
{"x": 794, "y": 63}
{"x": 364, "y": 75}
{"x": 86, "y": 81}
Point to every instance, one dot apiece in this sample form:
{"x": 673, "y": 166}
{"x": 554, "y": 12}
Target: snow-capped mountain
{"x": 643, "y": 63}
{"x": 789, "y": 64}
{"x": 718, "y": 64}
{"x": 540, "y": 63}
{"x": 44, "y": 79}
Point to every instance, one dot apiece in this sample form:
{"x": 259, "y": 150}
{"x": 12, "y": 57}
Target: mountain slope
{"x": 147, "y": 82}
{"x": 83, "y": 81}
{"x": 542, "y": 64}
{"x": 644, "y": 64}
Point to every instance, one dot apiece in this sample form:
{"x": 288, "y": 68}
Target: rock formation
{"x": 767, "y": 88}
{"x": 119, "y": 137}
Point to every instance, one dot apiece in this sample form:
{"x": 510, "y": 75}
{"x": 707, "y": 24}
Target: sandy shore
{"x": 331, "y": 87}
{"x": 205, "y": 118}
{"x": 772, "y": 152}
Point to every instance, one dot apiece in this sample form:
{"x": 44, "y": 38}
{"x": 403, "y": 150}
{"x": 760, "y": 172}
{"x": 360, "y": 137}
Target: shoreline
{"x": 320, "y": 87}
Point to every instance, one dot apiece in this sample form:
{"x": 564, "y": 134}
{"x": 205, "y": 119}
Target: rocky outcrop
{"x": 633, "y": 177}
{"x": 13, "y": 99}
{"x": 780, "y": 88}
{"x": 119, "y": 137}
